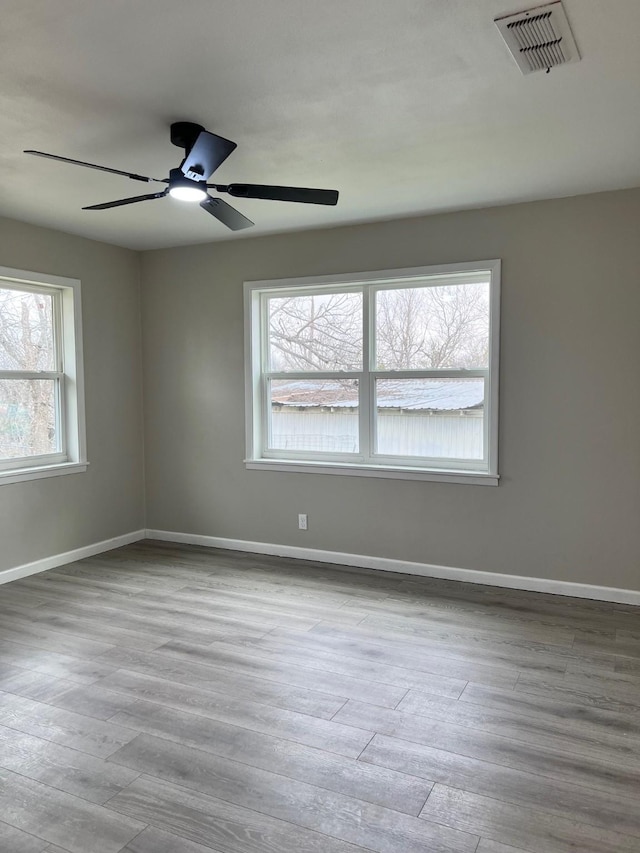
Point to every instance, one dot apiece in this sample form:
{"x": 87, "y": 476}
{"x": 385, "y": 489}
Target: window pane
{"x": 26, "y": 330}
{"x": 436, "y": 418}
{"x": 27, "y": 418}
{"x": 314, "y": 414}
{"x": 315, "y": 332}
{"x": 426, "y": 328}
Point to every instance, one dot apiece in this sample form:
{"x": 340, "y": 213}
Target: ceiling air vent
{"x": 539, "y": 38}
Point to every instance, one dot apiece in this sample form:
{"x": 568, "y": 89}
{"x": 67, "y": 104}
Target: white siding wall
{"x": 454, "y": 435}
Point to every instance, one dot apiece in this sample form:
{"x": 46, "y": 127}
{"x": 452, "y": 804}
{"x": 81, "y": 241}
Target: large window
{"x": 379, "y": 374}
{"x": 41, "y": 391}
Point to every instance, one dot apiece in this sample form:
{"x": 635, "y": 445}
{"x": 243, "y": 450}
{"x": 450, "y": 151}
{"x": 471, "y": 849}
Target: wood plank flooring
{"x": 169, "y": 699}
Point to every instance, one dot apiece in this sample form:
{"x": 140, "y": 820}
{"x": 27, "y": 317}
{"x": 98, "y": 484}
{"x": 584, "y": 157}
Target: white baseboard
{"x": 361, "y": 561}
{"x": 70, "y": 556}
{"x": 384, "y": 564}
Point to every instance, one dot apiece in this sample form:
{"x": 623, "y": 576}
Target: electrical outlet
{"x": 302, "y": 521}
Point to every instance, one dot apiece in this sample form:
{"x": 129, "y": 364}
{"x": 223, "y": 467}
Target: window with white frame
{"x": 41, "y": 383}
{"x": 388, "y": 374}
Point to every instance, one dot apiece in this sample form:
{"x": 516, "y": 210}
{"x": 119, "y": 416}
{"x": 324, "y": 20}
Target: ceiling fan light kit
{"x": 204, "y": 152}
{"x": 185, "y": 189}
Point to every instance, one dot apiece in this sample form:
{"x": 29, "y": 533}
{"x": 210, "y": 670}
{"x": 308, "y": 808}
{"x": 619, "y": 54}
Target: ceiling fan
{"x": 204, "y": 153}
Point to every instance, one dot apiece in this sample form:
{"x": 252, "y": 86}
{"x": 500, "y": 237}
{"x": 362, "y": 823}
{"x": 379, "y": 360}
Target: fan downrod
{"x": 184, "y": 134}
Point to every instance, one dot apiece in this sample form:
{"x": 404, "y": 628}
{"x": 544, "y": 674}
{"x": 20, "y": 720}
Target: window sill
{"x": 478, "y": 478}
{"x": 19, "y": 475}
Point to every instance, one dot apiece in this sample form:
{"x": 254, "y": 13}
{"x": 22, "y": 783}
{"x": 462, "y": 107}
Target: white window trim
{"x": 73, "y": 456}
{"x": 257, "y": 459}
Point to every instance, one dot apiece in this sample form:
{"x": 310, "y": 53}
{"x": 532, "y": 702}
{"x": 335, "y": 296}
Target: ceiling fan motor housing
{"x": 184, "y": 134}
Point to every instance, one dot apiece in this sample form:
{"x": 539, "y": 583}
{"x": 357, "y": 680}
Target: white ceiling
{"x": 405, "y": 106}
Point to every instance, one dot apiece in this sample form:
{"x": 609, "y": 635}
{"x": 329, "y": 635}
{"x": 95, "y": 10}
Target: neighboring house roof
{"x": 417, "y": 394}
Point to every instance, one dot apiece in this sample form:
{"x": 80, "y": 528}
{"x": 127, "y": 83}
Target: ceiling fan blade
{"x": 209, "y": 152}
{"x": 131, "y": 175}
{"x": 107, "y": 204}
{"x": 226, "y": 214}
{"x": 300, "y": 194}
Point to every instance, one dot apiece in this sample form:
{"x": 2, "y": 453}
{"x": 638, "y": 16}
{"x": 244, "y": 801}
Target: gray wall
{"x": 40, "y": 518}
{"x": 568, "y": 506}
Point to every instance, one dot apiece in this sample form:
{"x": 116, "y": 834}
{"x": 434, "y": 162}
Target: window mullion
{"x": 365, "y": 420}
{"x": 461, "y": 373}
{"x": 58, "y": 332}
{"x": 31, "y": 374}
{"x": 264, "y": 389}
{"x": 313, "y": 374}
{"x": 265, "y": 413}
{"x": 61, "y": 418}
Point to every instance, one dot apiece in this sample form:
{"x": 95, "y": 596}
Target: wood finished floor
{"x": 168, "y": 699}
